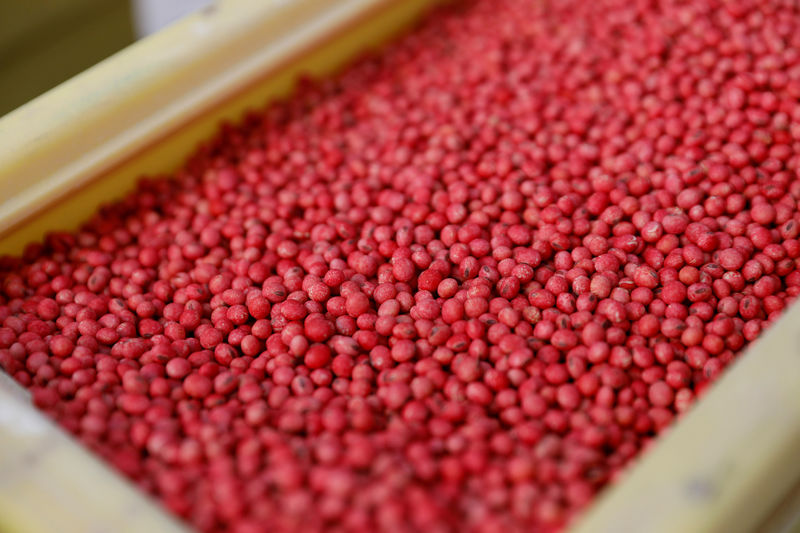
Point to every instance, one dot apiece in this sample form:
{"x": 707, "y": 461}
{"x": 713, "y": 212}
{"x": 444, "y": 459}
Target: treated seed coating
{"x": 456, "y": 288}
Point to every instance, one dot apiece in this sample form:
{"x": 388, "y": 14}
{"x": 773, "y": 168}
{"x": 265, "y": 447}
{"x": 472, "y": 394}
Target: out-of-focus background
{"x": 45, "y": 42}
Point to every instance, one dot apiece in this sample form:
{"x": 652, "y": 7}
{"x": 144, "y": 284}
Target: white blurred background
{"x": 151, "y": 15}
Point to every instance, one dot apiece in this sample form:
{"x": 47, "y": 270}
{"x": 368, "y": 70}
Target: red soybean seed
{"x": 673, "y": 292}
{"x": 486, "y": 285}
{"x": 660, "y": 394}
{"x": 197, "y": 385}
{"x": 731, "y": 259}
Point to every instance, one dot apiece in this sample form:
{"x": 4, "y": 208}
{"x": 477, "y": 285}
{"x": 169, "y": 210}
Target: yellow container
{"x": 730, "y": 465}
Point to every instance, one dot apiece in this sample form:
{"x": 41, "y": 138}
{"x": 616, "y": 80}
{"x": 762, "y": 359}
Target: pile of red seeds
{"x": 456, "y": 288}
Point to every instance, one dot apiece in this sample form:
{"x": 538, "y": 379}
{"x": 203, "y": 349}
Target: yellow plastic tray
{"x": 730, "y": 465}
